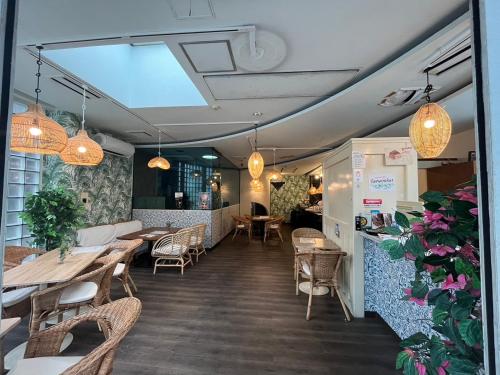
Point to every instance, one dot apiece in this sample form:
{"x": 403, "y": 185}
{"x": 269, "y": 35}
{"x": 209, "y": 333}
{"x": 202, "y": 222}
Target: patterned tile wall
{"x": 291, "y": 193}
{"x": 109, "y": 185}
{"x": 185, "y": 218}
{"x": 385, "y": 280}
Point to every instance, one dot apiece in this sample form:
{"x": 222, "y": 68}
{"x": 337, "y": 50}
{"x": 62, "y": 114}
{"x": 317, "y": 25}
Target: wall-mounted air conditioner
{"x": 114, "y": 146}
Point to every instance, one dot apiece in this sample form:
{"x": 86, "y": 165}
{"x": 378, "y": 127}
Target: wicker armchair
{"x": 196, "y": 246}
{"x": 91, "y": 288}
{"x": 172, "y": 250}
{"x": 321, "y": 268}
{"x": 242, "y": 224}
{"x": 122, "y": 269}
{"x": 304, "y": 233}
{"x": 14, "y": 255}
{"x": 116, "y": 320}
{"x": 273, "y": 226}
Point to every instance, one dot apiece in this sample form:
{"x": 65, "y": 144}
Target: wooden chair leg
{"x": 132, "y": 282}
{"x": 279, "y": 234}
{"x": 265, "y": 235}
{"x": 235, "y": 233}
{"x": 297, "y": 285}
{"x": 128, "y": 290}
{"x": 346, "y": 312}
{"x": 309, "y": 303}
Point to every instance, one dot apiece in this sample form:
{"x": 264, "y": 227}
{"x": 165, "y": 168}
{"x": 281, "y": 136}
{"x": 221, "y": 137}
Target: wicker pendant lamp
{"x": 81, "y": 150}
{"x": 255, "y": 161}
{"x": 430, "y": 128}
{"x": 256, "y": 185}
{"x": 158, "y": 161}
{"x": 32, "y": 131}
{"x": 276, "y": 177}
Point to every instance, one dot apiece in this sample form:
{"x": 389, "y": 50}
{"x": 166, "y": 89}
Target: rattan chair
{"x": 196, "y": 246}
{"x": 14, "y": 255}
{"x": 304, "y": 233}
{"x": 172, "y": 250}
{"x": 121, "y": 272}
{"x": 321, "y": 268}
{"x": 42, "y": 352}
{"x": 273, "y": 226}
{"x": 242, "y": 224}
{"x": 91, "y": 288}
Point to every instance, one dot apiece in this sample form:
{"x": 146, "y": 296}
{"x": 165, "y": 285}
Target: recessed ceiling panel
{"x": 278, "y": 85}
{"x": 210, "y": 56}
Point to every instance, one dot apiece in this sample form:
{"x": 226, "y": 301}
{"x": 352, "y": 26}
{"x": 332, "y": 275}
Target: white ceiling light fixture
{"x": 210, "y": 157}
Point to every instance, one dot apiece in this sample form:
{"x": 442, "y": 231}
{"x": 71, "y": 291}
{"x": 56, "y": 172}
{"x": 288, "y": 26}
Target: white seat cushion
{"x": 119, "y": 269}
{"x": 93, "y": 236}
{"x": 79, "y": 292}
{"x": 87, "y": 249}
{"x": 305, "y": 268}
{"x": 127, "y": 227}
{"x": 44, "y": 365}
{"x": 275, "y": 226}
{"x": 241, "y": 226}
{"x": 175, "y": 249}
{"x": 29, "y": 259}
{"x": 15, "y": 296}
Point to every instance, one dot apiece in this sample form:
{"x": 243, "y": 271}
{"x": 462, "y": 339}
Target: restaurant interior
{"x": 244, "y": 187}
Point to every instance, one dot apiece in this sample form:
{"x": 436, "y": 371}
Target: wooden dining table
{"x": 258, "y": 222}
{"x": 149, "y": 235}
{"x": 46, "y": 269}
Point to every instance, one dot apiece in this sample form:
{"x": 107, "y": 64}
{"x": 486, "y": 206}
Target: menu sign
{"x": 382, "y": 183}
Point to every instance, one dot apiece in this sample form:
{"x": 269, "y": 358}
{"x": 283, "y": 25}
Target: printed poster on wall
{"x": 398, "y": 156}
{"x": 382, "y": 183}
{"x": 358, "y": 160}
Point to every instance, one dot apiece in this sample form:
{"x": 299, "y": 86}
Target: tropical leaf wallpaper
{"x": 109, "y": 185}
{"x": 291, "y": 193}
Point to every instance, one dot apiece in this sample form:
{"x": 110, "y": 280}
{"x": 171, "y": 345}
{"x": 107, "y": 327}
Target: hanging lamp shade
{"x": 319, "y": 190}
{"x": 33, "y": 132}
{"x": 312, "y": 190}
{"x": 81, "y": 150}
{"x": 255, "y": 165}
{"x": 430, "y": 130}
{"x": 256, "y": 185}
{"x": 159, "y": 162}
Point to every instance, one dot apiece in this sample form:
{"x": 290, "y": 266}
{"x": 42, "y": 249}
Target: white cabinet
{"x": 386, "y": 172}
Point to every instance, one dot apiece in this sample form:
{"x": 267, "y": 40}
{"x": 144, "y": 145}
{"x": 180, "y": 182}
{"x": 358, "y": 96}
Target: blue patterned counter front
{"x": 385, "y": 280}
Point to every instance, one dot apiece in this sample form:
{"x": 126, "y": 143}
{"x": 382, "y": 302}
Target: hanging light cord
{"x": 159, "y": 136}
{"x": 274, "y": 158}
{"x": 255, "y": 138}
{"x": 38, "y": 74}
{"x": 84, "y": 106}
{"x": 428, "y": 88}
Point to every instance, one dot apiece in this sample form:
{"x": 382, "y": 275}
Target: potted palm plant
{"x": 53, "y": 215}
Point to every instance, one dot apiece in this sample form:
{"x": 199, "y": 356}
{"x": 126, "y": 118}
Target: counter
{"x": 385, "y": 280}
{"x": 219, "y": 222}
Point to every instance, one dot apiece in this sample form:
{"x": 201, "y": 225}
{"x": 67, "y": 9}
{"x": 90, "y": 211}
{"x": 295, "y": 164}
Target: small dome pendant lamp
{"x": 255, "y": 161}
{"x": 430, "y": 127}
{"x": 81, "y": 150}
{"x": 158, "y": 161}
{"x": 32, "y": 131}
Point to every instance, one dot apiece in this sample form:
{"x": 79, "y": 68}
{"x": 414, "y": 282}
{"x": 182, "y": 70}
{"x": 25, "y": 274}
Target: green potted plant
{"x": 443, "y": 243}
{"x": 53, "y": 215}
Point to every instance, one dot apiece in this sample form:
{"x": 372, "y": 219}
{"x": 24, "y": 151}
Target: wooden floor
{"x": 236, "y": 312}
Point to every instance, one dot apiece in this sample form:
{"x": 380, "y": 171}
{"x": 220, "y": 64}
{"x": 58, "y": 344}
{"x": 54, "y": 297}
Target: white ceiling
{"x": 388, "y": 44}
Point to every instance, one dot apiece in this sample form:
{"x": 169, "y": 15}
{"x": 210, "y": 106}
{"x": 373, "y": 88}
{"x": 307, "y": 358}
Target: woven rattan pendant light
{"x": 32, "y": 131}
{"x": 81, "y": 150}
{"x": 430, "y": 128}
{"x": 255, "y": 161}
{"x": 276, "y": 176}
{"x": 158, "y": 161}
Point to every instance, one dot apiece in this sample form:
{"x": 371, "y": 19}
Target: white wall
{"x": 247, "y": 195}
{"x": 460, "y": 145}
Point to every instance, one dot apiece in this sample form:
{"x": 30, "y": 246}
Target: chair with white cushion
{"x": 242, "y": 224}
{"x": 321, "y": 268}
{"x": 41, "y": 356}
{"x": 273, "y": 226}
{"x": 91, "y": 288}
{"x": 172, "y": 250}
{"x": 303, "y": 233}
{"x": 121, "y": 272}
{"x": 196, "y": 246}
{"x": 16, "y": 302}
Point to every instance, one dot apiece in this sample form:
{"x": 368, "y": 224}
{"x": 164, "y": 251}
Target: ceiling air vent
{"x": 138, "y": 133}
{"x": 405, "y": 96}
{"x": 75, "y": 86}
{"x": 456, "y": 52}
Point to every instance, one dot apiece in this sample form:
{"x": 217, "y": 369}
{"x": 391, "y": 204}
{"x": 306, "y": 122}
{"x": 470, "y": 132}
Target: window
{"x": 194, "y": 183}
{"x": 23, "y": 180}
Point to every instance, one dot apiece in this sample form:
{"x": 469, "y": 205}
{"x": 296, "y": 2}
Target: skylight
{"x": 138, "y": 76}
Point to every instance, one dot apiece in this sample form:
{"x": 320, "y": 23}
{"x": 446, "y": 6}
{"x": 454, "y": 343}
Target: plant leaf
{"x": 401, "y": 220}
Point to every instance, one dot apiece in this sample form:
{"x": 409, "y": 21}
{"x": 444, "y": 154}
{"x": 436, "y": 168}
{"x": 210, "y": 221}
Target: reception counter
{"x": 219, "y": 222}
{"x": 385, "y": 280}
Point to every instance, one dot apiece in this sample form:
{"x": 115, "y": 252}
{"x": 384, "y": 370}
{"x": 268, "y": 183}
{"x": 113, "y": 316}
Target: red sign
{"x": 372, "y": 202}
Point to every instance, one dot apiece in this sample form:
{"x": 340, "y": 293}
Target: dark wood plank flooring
{"x": 236, "y": 312}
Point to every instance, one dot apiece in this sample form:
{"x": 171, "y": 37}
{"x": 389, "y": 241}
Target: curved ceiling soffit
{"x": 439, "y": 30}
